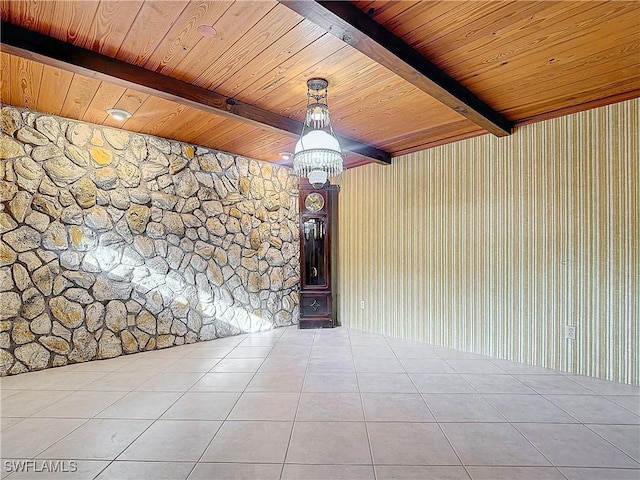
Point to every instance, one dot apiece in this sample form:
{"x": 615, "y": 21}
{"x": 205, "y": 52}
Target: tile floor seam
{"x": 501, "y": 413}
{"x": 43, "y": 408}
{"x": 569, "y": 375}
{"x": 560, "y": 407}
{"x": 111, "y": 404}
{"x": 506, "y": 419}
{"x": 230, "y": 410}
{"x": 532, "y": 444}
{"x": 546, "y": 396}
{"x": 622, "y": 406}
{"x": 567, "y": 466}
{"x": 153, "y": 422}
{"x": 104, "y": 469}
{"x": 367, "y": 343}
{"x": 436, "y": 419}
{"x": 69, "y": 433}
{"x": 293, "y": 423}
{"x": 364, "y": 413}
{"x": 611, "y": 443}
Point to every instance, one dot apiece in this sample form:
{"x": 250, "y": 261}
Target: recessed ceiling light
{"x": 285, "y": 155}
{"x": 118, "y": 114}
{"x": 207, "y": 31}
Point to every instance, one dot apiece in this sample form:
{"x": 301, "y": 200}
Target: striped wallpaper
{"x": 493, "y": 245}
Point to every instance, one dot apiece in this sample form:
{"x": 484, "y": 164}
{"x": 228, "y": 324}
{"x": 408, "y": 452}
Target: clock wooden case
{"x": 318, "y": 255}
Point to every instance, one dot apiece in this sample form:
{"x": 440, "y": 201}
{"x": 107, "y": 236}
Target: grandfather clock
{"x": 318, "y": 255}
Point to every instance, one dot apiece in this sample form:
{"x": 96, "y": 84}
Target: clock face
{"x": 314, "y": 202}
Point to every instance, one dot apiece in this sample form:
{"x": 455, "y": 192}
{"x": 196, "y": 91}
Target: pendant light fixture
{"x": 317, "y": 154}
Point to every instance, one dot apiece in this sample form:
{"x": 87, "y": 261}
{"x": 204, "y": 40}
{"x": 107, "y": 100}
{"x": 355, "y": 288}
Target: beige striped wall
{"x": 493, "y": 245}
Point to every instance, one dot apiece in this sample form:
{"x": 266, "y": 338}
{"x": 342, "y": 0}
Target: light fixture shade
{"x": 317, "y": 140}
{"x": 118, "y": 114}
{"x": 317, "y": 178}
{"x": 317, "y": 150}
{"x": 318, "y": 115}
{"x": 317, "y": 154}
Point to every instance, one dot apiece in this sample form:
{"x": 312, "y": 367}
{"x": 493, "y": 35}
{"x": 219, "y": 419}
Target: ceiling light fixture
{"x": 119, "y": 114}
{"x": 207, "y": 31}
{"x": 317, "y": 154}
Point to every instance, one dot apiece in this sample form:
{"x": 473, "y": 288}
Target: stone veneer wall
{"x": 114, "y": 243}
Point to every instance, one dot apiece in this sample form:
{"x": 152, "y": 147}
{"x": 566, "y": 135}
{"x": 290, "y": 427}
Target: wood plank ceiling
{"x": 526, "y": 60}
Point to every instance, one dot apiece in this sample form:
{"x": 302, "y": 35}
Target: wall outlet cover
{"x": 570, "y": 332}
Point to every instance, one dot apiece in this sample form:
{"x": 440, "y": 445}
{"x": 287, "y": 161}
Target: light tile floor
{"x": 316, "y": 404}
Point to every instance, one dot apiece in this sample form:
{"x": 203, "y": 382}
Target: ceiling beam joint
{"x": 50, "y": 51}
{"x": 356, "y": 28}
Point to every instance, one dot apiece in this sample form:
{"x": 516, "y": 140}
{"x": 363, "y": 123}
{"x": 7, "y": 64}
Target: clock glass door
{"x": 315, "y": 265}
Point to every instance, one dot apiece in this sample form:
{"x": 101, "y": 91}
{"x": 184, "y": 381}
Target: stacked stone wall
{"x": 113, "y": 242}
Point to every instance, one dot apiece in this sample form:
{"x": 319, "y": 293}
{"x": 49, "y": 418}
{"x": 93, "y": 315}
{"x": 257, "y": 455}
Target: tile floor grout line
{"x": 545, "y": 396}
{"x": 514, "y": 426}
{"x": 153, "y": 422}
{"x": 198, "y": 461}
{"x": 364, "y": 413}
{"x": 43, "y": 408}
{"x": 293, "y": 423}
{"x": 365, "y": 346}
{"x": 72, "y": 418}
{"x": 435, "y": 418}
{"x": 34, "y": 457}
{"x": 610, "y": 442}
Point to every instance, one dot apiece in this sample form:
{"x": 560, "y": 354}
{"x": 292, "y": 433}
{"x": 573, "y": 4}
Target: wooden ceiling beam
{"x": 56, "y": 53}
{"x": 357, "y": 29}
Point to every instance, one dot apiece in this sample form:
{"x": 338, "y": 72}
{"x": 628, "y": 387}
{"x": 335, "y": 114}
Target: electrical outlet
{"x": 570, "y": 332}
{"x": 362, "y": 304}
